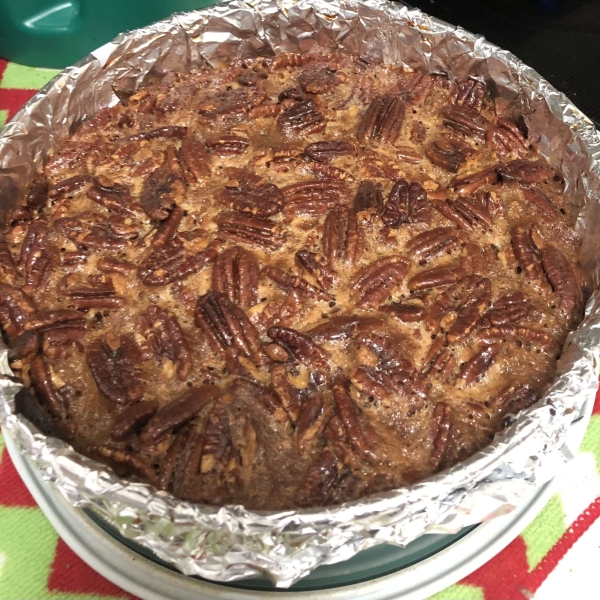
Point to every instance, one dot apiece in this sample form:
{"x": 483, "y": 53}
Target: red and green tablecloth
{"x": 556, "y": 557}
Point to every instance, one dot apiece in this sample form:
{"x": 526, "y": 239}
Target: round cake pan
{"x": 424, "y": 567}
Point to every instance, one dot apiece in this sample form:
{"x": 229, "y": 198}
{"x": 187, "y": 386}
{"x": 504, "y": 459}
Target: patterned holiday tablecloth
{"x": 556, "y": 557}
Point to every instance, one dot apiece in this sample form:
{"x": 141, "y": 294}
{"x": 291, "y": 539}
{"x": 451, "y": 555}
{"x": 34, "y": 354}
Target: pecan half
{"x": 471, "y": 183}
{"x": 301, "y": 119}
{"x": 360, "y": 434}
{"x": 382, "y": 121}
{"x": 473, "y": 260}
{"x": 16, "y": 308}
{"x": 115, "y": 198}
{"x": 432, "y": 242}
{"x": 164, "y": 338}
{"x": 42, "y": 382}
{"x": 328, "y": 150}
{"x": 513, "y": 399}
{"x": 314, "y": 197}
{"x": 341, "y": 240}
{"x": 38, "y": 257}
{"x": 194, "y": 161}
{"x": 53, "y": 319}
{"x": 288, "y": 282}
{"x": 436, "y": 277}
{"x": 527, "y": 253}
{"x": 509, "y": 308}
{"x": 465, "y": 120}
{"x": 526, "y": 171}
{"x": 256, "y": 198}
{"x": 467, "y": 299}
{"x": 471, "y": 93}
{"x": 563, "y": 280}
{"x": 374, "y": 282}
{"x": 439, "y": 361}
{"x": 96, "y": 292}
{"x": 542, "y": 204}
{"x": 368, "y": 199}
{"x": 107, "y": 264}
{"x": 93, "y": 230}
{"x": 317, "y": 266}
{"x": 254, "y": 231}
{"x": 473, "y": 212}
{"x": 409, "y": 313}
{"x": 319, "y": 481}
{"x": 478, "y": 364}
{"x": 133, "y": 418}
{"x": 302, "y": 348}
{"x": 226, "y": 326}
{"x": 113, "y": 363}
{"x": 236, "y": 274}
{"x": 318, "y": 79}
{"x": 310, "y": 421}
{"x": 407, "y": 203}
{"x": 178, "y": 412}
{"x": 232, "y": 101}
{"x": 449, "y": 153}
{"x": 68, "y": 186}
{"x": 287, "y": 395}
{"x": 506, "y": 138}
{"x": 441, "y": 429}
{"x": 161, "y": 191}
{"x": 227, "y": 146}
{"x": 170, "y": 263}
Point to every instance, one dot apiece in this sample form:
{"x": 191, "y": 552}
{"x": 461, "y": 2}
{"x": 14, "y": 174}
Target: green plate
{"x": 366, "y": 565}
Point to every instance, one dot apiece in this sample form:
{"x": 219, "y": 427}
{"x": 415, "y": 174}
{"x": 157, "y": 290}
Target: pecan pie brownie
{"x": 289, "y": 281}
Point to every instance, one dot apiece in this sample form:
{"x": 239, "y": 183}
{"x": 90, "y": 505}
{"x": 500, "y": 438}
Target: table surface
{"x": 556, "y": 557}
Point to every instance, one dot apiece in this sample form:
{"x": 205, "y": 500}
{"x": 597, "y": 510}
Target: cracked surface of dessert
{"x": 288, "y": 281}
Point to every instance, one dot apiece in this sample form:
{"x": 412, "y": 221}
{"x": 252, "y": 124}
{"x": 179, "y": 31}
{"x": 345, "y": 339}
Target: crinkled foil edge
{"x": 231, "y": 543}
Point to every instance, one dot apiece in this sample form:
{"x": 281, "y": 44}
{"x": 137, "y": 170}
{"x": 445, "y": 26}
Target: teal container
{"x": 58, "y": 33}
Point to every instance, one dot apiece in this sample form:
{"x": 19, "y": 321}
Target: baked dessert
{"x": 288, "y": 281}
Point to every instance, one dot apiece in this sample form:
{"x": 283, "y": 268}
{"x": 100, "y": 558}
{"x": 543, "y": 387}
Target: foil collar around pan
{"x": 231, "y": 543}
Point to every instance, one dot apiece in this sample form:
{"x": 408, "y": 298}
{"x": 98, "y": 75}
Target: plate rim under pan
{"x": 151, "y": 581}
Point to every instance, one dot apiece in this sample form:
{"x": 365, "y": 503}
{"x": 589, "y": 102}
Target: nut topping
{"x": 170, "y": 263}
{"x": 250, "y": 230}
{"x": 301, "y": 119}
{"x": 236, "y": 274}
{"x": 406, "y": 204}
{"x": 289, "y": 280}
{"x": 563, "y": 280}
{"x": 328, "y": 151}
{"x": 286, "y": 281}
{"x": 164, "y": 338}
{"x": 466, "y": 120}
{"x": 226, "y": 326}
{"x": 302, "y": 348}
{"x": 478, "y": 364}
{"x": 373, "y": 283}
{"x": 114, "y": 370}
{"x": 256, "y": 198}
{"x": 432, "y": 242}
{"x": 382, "y": 122}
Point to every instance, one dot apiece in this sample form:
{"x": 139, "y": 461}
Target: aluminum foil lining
{"x": 231, "y": 543}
